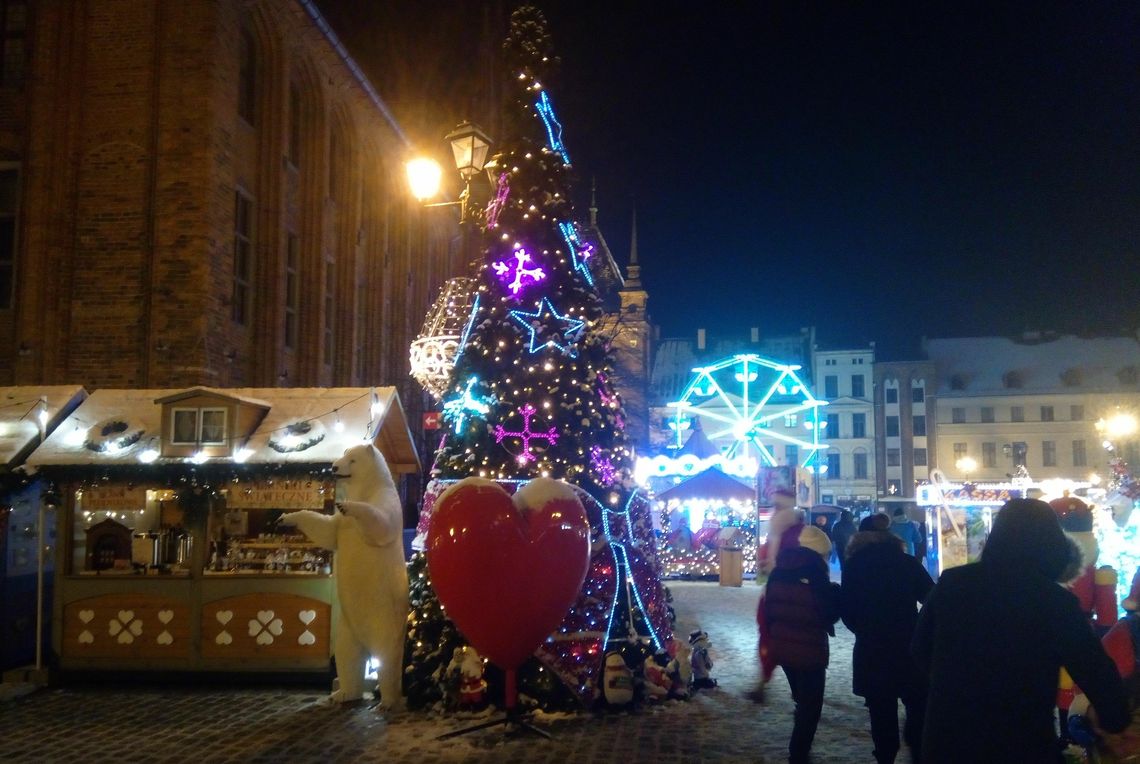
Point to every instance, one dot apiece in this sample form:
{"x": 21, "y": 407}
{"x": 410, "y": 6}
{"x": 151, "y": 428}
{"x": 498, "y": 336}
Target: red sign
{"x": 431, "y": 420}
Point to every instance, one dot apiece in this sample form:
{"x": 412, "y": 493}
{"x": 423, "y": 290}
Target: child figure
{"x": 800, "y": 608}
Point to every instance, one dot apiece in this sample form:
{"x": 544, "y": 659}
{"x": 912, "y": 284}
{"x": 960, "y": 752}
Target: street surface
{"x": 160, "y": 725}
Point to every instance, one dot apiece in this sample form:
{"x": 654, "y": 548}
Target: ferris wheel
{"x": 747, "y": 405}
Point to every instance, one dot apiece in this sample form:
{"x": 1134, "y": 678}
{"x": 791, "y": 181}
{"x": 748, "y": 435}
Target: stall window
{"x": 205, "y": 426}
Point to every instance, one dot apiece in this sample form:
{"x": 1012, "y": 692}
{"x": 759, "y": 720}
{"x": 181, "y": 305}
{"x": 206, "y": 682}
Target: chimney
{"x": 755, "y": 334}
{"x": 700, "y": 339}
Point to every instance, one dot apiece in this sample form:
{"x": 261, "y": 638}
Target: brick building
{"x": 202, "y": 192}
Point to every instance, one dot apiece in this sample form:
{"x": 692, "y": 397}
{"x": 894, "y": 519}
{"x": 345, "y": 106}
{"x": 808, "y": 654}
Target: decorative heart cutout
{"x": 224, "y": 638}
{"x": 86, "y": 637}
{"x": 265, "y": 616}
{"x": 166, "y": 616}
{"x": 135, "y": 628}
{"x": 164, "y": 638}
{"x": 126, "y": 616}
{"x": 307, "y": 616}
{"x": 114, "y": 627}
{"x": 224, "y": 616}
{"x": 265, "y": 638}
{"x": 86, "y": 615}
{"x": 125, "y": 637}
{"x": 275, "y": 627}
{"x": 508, "y": 568}
{"x": 306, "y": 638}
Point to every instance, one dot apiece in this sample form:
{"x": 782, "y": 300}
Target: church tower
{"x": 632, "y": 343}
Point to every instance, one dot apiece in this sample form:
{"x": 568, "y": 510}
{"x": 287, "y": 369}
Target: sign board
{"x": 431, "y": 420}
{"x": 277, "y": 496}
{"x": 113, "y": 498}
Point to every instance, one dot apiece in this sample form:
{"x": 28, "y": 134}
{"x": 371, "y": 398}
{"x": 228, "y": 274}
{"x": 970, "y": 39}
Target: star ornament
{"x": 550, "y": 329}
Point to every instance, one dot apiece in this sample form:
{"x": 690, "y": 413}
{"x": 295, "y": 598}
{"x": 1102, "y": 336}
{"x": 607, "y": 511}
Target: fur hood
{"x": 864, "y": 539}
{"x": 1083, "y": 552}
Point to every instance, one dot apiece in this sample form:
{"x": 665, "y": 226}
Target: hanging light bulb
{"x": 338, "y": 426}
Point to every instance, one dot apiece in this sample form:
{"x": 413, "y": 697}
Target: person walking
{"x": 800, "y": 608}
{"x": 903, "y": 527}
{"x": 882, "y": 589}
{"x": 841, "y": 534}
{"x": 992, "y": 637}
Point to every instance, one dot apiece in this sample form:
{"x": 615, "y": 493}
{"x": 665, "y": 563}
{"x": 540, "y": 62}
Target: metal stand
{"x": 514, "y": 720}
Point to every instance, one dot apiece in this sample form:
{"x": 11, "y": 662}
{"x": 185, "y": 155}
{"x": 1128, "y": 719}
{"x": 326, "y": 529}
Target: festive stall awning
{"x": 24, "y": 409}
{"x": 273, "y": 426}
{"x": 710, "y": 484}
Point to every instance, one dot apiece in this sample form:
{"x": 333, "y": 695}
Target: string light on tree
{"x": 516, "y": 274}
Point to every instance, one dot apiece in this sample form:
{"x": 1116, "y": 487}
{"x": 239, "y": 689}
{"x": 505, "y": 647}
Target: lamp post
{"x": 966, "y": 465}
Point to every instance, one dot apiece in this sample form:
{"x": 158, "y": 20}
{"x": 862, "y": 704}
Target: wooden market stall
{"x": 171, "y": 555}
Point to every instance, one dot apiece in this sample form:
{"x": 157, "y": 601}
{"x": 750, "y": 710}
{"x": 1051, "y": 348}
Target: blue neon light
{"x": 466, "y": 332}
{"x": 568, "y": 328}
{"x": 459, "y": 408}
{"x": 579, "y": 252}
{"x": 553, "y": 127}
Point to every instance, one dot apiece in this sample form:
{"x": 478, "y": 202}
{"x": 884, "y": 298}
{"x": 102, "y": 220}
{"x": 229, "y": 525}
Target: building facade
{"x": 905, "y": 418}
{"x": 1032, "y": 404}
{"x": 206, "y": 193}
{"x": 845, "y": 379}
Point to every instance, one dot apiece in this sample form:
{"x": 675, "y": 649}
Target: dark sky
{"x": 879, "y": 172}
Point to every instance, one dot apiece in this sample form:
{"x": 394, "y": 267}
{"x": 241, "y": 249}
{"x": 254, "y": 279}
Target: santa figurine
{"x": 1095, "y": 588}
{"x": 700, "y": 659}
{"x": 657, "y": 679}
{"x": 1123, "y": 638}
{"x": 681, "y": 670}
{"x": 467, "y": 668}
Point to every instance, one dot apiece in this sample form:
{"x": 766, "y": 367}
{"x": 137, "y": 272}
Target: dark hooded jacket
{"x": 993, "y": 636}
{"x": 801, "y": 606}
{"x": 882, "y": 589}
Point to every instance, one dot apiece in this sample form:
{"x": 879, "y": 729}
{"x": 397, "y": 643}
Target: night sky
{"x": 880, "y": 172}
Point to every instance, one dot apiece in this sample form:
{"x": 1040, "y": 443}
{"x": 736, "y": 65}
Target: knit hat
{"x": 875, "y": 522}
{"x": 1131, "y": 603}
{"x": 816, "y": 540}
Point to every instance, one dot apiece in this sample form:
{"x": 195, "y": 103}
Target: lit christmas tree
{"x": 531, "y": 396}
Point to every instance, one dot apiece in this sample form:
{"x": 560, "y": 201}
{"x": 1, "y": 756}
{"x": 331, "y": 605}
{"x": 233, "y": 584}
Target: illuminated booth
{"x": 700, "y": 517}
{"x": 170, "y": 553}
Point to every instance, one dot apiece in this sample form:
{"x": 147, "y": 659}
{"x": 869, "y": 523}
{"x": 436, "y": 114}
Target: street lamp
{"x": 469, "y": 148}
{"x": 966, "y": 465}
{"x": 1116, "y": 427}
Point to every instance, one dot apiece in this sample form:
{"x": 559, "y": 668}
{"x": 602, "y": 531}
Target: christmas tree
{"x": 530, "y": 396}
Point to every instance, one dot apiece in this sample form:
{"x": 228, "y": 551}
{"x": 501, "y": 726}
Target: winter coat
{"x": 882, "y": 589}
{"x": 801, "y": 606}
{"x": 908, "y": 532}
{"x": 992, "y": 639}
{"x": 841, "y": 536}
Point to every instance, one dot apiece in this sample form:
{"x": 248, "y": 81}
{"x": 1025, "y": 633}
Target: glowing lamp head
{"x": 966, "y": 464}
{"x": 424, "y": 176}
{"x": 469, "y": 145}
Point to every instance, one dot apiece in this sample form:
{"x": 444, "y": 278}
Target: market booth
{"x": 26, "y": 413}
{"x": 171, "y": 554}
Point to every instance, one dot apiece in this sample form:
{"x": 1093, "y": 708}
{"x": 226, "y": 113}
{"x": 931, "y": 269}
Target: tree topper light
{"x": 565, "y": 328}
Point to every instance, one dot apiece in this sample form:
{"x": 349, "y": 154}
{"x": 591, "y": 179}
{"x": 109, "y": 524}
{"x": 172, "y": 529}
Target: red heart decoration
{"x": 507, "y": 569}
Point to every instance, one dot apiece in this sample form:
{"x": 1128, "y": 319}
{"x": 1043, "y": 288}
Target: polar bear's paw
{"x": 341, "y": 698}
{"x": 392, "y": 709}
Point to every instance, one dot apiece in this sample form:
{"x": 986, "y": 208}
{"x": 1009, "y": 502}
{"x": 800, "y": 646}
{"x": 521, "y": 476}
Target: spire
{"x": 634, "y": 270}
{"x": 593, "y": 202}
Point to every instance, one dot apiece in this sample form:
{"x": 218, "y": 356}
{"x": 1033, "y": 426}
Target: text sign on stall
{"x": 277, "y": 496}
{"x": 113, "y": 498}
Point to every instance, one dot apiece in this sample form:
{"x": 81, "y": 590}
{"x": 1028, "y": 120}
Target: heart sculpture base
{"x": 515, "y": 721}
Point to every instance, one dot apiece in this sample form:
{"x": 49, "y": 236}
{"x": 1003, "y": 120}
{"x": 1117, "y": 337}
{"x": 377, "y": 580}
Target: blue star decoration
{"x": 562, "y": 332}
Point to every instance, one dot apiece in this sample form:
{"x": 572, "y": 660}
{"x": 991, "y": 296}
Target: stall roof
{"x": 19, "y": 417}
{"x": 367, "y": 414}
{"x": 710, "y": 484}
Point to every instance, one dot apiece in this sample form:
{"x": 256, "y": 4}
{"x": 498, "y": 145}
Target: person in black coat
{"x": 992, "y": 638}
{"x": 841, "y": 534}
{"x": 882, "y": 589}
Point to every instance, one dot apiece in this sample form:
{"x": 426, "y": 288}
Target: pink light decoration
{"x": 526, "y": 435}
{"x": 517, "y": 271}
{"x": 496, "y": 205}
{"x": 607, "y": 472}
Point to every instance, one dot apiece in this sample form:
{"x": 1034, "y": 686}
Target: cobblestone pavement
{"x": 235, "y": 724}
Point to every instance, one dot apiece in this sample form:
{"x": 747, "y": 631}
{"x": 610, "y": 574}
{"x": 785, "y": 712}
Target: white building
{"x": 845, "y": 379}
{"x": 1033, "y": 401}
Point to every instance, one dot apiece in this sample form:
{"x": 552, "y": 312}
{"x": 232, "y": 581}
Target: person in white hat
{"x": 799, "y": 611}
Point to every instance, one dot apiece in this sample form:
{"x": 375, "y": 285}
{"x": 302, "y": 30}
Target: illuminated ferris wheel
{"x": 748, "y": 405}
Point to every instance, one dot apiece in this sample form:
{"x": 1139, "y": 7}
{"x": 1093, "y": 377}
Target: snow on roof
{"x": 321, "y": 408}
{"x": 19, "y": 416}
{"x": 987, "y": 364}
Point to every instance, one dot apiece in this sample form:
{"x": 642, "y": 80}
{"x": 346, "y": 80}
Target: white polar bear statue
{"x": 366, "y": 532}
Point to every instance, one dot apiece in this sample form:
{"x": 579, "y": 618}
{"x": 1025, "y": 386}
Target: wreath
{"x": 297, "y": 436}
{"x": 111, "y": 435}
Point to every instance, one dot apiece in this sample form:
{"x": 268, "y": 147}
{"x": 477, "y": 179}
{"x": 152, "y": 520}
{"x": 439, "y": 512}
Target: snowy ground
{"x": 199, "y": 725}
